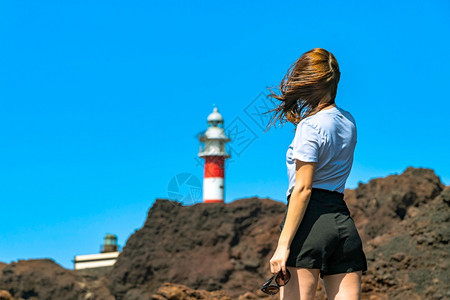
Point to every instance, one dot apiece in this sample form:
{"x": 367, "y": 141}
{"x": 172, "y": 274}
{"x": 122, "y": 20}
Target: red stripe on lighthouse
{"x": 214, "y": 166}
{"x": 213, "y": 201}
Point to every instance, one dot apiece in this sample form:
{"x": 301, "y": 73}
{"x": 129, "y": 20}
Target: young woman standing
{"x": 318, "y": 235}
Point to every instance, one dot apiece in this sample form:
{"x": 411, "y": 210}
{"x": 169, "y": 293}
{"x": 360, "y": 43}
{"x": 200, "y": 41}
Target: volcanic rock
{"x": 44, "y": 279}
{"x": 222, "y": 250}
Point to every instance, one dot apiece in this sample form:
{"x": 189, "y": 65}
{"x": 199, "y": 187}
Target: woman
{"x": 318, "y": 235}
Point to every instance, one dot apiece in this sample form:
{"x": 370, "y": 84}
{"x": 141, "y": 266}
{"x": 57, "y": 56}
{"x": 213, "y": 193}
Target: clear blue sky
{"x": 101, "y": 102}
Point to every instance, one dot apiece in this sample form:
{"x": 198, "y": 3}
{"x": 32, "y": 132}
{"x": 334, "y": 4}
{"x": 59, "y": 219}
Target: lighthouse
{"x": 212, "y": 149}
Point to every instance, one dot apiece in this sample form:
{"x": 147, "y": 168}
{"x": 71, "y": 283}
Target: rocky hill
{"x": 222, "y": 251}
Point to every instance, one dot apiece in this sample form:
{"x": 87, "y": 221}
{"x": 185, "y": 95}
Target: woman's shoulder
{"x": 326, "y": 119}
{"x": 316, "y": 120}
{"x": 309, "y": 121}
{"x": 312, "y": 126}
{"x": 347, "y": 114}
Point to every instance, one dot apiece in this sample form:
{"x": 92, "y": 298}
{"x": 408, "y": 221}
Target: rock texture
{"x": 44, "y": 279}
{"x": 208, "y": 246}
{"x": 222, "y": 251}
{"x": 5, "y": 295}
{"x": 382, "y": 203}
{"x": 411, "y": 259}
{"x": 169, "y": 291}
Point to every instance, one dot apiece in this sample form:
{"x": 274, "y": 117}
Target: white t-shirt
{"x": 328, "y": 138}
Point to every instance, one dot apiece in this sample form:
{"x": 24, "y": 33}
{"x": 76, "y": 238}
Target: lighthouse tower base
{"x": 213, "y": 179}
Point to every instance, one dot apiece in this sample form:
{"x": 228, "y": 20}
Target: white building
{"x": 106, "y": 258}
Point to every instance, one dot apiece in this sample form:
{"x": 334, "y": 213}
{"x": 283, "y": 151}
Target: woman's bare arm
{"x": 298, "y": 201}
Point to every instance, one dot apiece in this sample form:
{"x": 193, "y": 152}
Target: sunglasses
{"x": 280, "y": 280}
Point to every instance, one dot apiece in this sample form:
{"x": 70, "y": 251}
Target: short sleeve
{"x": 306, "y": 143}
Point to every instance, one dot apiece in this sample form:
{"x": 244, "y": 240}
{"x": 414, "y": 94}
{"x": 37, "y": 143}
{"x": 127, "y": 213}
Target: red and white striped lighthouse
{"x": 212, "y": 149}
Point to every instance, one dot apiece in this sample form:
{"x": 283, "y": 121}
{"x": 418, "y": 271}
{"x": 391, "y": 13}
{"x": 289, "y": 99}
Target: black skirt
{"x": 327, "y": 238}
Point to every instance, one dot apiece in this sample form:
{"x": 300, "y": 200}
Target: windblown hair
{"x": 309, "y": 85}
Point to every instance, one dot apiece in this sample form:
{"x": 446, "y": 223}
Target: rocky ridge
{"x": 221, "y": 251}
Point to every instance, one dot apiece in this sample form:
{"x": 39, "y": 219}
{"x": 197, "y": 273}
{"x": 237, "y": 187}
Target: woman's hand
{"x": 278, "y": 260}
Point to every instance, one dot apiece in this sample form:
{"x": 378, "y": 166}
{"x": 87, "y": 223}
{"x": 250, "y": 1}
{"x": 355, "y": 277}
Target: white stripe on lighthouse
{"x": 213, "y": 189}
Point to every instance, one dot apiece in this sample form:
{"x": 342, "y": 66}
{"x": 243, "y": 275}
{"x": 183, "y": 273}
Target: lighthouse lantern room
{"x": 212, "y": 150}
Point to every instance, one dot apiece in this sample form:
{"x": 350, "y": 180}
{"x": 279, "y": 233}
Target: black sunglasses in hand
{"x": 280, "y": 280}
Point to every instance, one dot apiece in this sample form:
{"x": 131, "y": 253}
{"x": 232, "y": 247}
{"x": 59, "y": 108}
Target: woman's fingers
{"x": 275, "y": 266}
{"x": 278, "y": 261}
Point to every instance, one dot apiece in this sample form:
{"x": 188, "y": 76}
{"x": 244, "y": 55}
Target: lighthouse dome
{"x": 215, "y": 116}
{"x": 216, "y": 133}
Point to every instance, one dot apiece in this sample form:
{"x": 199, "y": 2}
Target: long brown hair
{"x": 308, "y": 81}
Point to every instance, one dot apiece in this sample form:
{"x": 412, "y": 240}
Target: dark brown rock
{"x": 207, "y": 246}
{"x": 379, "y": 205}
{"x": 44, "y": 279}
{"x": 412, "y": 258}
